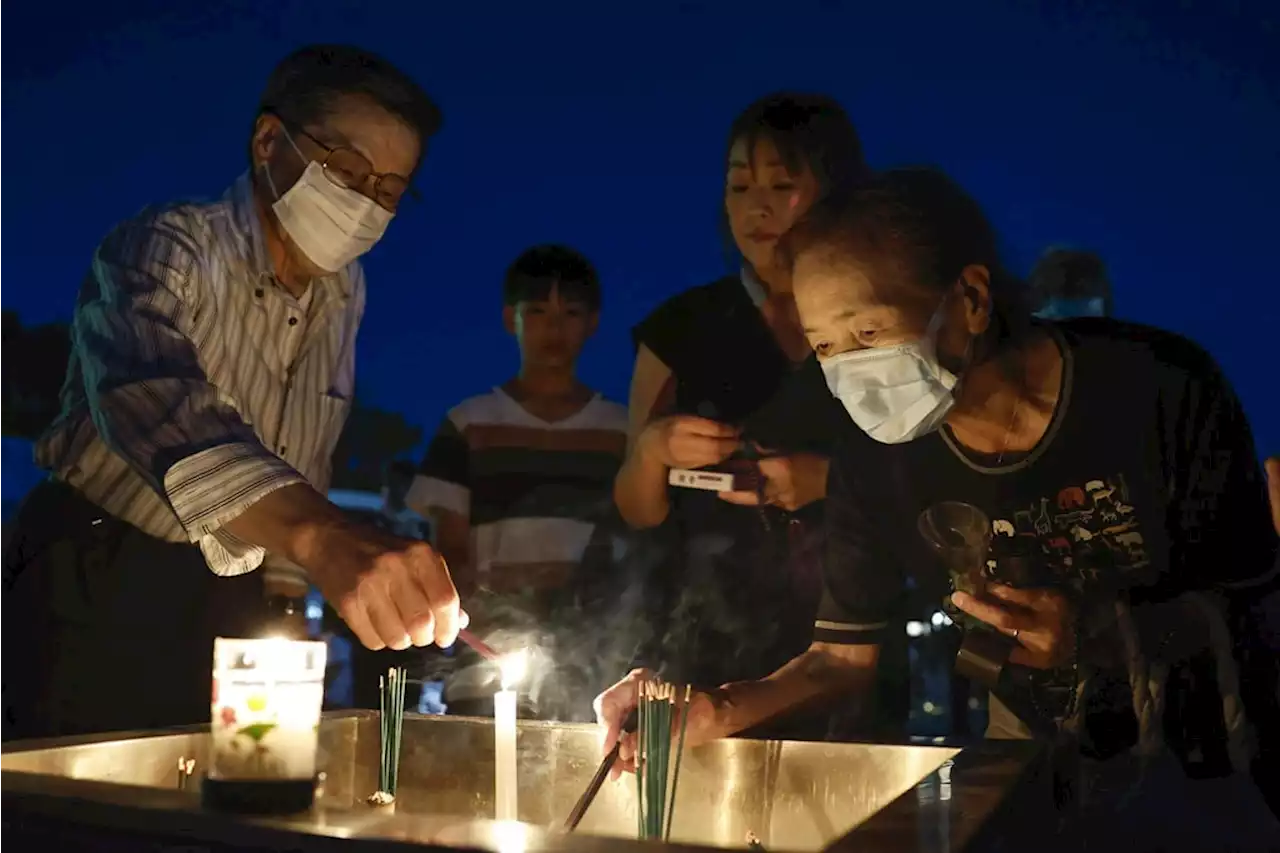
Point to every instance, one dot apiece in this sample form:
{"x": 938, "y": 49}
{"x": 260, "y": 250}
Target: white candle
{"x": 504, "y": 737}
{"x": 266, "y": 703}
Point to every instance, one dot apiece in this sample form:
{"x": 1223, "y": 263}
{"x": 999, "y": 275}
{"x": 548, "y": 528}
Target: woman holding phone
{"x": 724, "y": 378}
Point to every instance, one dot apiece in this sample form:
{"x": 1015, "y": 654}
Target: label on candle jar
{"x": 266, "y": 703}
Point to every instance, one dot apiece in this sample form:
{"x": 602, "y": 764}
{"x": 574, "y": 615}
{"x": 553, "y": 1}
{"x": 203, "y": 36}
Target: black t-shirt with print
{"x": 1146, "y": 484}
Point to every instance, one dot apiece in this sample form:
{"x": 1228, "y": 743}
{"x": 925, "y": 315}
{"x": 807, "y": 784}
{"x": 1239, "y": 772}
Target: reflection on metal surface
{"x": 944, "y": 780}
{"x": 933, "y": 794}
{"x": 186, "y": 769}
{"x": 793, "y": 796}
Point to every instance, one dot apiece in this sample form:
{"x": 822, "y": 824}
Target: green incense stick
{"x": 675, "y": 777}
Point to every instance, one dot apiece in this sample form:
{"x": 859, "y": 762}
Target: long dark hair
{"x": 810, "y": 132}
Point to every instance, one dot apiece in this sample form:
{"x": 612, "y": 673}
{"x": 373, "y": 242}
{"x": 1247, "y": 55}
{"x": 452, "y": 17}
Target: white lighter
{"x": 711, "y": 481}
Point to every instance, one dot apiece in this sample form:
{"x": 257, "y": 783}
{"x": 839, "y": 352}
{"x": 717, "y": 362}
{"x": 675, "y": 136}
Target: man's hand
{"x": 790, "y": 482}
{"x": 1273, "y": 488}
{"x": 614, "y": 705}
{"x": 1042, "y": 621}
{"x": 392, "y": 592}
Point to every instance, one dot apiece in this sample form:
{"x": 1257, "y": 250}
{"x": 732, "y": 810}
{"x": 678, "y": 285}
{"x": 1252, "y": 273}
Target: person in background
{"x": 396, "y": 515}
{"x": 517, "y": 480}
{"x": 724, "y": 369}
{"x": 1113, "y": 463}
{"x": 1070, "y": 283}
{"x": 212, "y": 370}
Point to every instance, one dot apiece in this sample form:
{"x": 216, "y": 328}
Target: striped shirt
{"x": 532, "y": 490}
{"x": 197, "y": 385}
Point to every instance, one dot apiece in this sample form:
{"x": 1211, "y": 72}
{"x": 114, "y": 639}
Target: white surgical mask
{"x": 895, "y": 394}
{"x": 332, "y": 225}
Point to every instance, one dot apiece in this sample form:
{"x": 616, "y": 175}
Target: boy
{"x": 518, "y": 480}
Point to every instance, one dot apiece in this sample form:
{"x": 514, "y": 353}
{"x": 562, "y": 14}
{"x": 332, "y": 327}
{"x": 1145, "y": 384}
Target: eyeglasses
{"x": 350, "y": 169}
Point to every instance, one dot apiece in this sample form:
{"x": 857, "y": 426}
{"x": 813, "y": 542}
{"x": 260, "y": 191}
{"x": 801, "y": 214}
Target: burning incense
{"x": 479, "y": 646}
{"x": 391, "y": 689}
{"x": 655, "y": 784}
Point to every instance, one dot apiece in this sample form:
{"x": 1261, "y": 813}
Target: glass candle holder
{"x": 267, "y": 699}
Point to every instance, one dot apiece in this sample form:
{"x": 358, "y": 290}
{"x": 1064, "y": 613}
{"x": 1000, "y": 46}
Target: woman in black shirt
{"x": 1110, "y": 462}
{"x": 724, "y": 369}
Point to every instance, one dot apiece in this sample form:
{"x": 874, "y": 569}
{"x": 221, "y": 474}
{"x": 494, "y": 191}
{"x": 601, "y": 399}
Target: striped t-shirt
{"x": 532, "y": 490}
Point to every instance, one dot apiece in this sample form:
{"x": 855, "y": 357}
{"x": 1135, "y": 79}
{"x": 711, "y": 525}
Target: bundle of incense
{"x": 657, "y": 777}
{"x": 392, "y": 706}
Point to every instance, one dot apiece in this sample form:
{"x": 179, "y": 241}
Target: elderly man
{"x": 212, "y": 372}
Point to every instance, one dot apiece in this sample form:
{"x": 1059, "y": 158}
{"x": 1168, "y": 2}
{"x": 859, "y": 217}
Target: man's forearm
{"x": 640, "y": 490}
{"x": 816, "y": 676}
{"x": 291, "y": 522}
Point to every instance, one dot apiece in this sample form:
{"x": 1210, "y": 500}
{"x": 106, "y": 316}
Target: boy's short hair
{"x": 531, "y": 277}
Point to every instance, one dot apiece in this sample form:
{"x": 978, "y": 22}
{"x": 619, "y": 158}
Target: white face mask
{"x": 895, "y": 394}
{"x": 332, "y": 225}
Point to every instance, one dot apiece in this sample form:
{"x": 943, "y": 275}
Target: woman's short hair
{"x": 917, "y": 229}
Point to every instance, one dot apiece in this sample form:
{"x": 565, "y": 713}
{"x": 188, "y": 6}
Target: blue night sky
{"x": 1152, "y": 138}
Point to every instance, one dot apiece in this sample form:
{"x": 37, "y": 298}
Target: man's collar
{"x": 247, "y": 222}
{"x": 248, "y": 227}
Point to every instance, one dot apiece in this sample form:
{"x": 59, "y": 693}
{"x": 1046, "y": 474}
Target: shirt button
{"x": 293, "y": 321}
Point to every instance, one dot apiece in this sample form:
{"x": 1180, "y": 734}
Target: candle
{"x": 504, "y": 737}
{"x": 266, "y": 703}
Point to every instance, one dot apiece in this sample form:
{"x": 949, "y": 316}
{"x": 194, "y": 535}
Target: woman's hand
{"x": 1273, "y": 488}
{"x": 686, "y": 441}
{"x": 1041, "y": 621}
{"x": 614, "y": 705}
{"x": 790, "y": 482}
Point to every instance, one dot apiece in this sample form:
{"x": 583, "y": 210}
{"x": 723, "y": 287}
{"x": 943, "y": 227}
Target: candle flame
{"x": 513, "y": 668}
{"x": 512, "y": 836}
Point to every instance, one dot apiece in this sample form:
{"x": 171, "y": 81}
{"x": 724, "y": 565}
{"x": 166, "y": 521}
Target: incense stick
{"x": 655, "y": 785}
{"x": 602, "y": 773}
{"x": 479, "y": 646}
{"x": 675, "y": 777}
{"x": 391, "y": 701}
